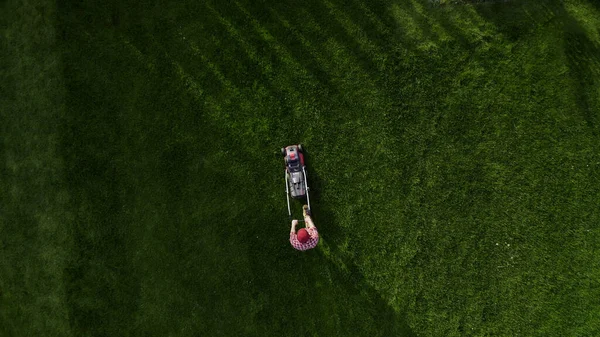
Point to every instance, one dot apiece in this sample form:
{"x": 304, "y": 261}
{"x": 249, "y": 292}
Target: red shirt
{"x": 311, "y": 243}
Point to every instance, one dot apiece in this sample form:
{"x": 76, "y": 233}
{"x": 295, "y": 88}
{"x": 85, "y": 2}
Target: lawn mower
{"x": 296, "y": 184}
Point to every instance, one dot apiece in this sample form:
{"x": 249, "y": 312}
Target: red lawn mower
{"x": 296, "y": 183}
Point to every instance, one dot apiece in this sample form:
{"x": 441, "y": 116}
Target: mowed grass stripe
{"x": 268, "y": 69}
{"x": 161, "y": 219}
{"x": 279, "y": 50}
{"x": 35, "y": 222}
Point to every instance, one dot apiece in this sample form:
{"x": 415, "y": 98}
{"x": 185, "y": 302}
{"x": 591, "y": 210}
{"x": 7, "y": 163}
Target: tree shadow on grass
{"x": 583, "y": 56}
{"x": 516, "y": 19}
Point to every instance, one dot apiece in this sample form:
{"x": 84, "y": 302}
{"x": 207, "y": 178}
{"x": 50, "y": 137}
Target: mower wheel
{"x": 300, "y": 148}
{"x": 282, "y": 152}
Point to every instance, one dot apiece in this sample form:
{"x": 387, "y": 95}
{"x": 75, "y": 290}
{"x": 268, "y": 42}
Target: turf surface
{"x": 453, "y": 152}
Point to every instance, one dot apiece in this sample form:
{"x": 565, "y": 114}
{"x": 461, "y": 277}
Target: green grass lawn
{"x": 453, "y": 153}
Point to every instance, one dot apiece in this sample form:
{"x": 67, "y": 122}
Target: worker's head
{"x": 303, "y": 235}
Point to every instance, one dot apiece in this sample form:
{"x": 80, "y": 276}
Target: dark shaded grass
{"x": 33, "y": 246}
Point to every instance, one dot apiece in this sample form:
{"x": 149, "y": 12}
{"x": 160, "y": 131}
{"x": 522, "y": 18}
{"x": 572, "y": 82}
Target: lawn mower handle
{"x": 306, "y": 186}
{"x": 287, "y": 194}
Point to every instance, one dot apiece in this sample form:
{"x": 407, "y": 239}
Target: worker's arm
{"x": 294, "y": 223}
{"x": 308, "y": 221}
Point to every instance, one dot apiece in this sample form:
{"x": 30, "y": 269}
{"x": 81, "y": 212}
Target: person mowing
{"x": 306, "y": 238}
